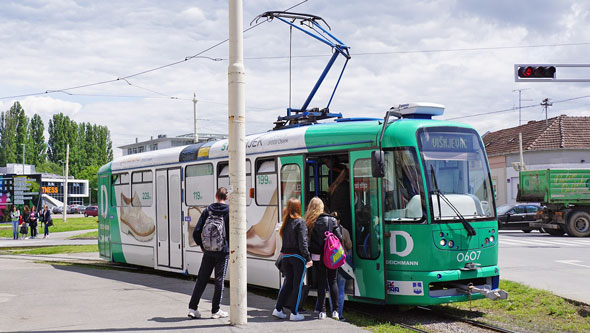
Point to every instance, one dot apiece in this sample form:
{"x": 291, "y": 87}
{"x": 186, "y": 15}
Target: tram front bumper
{"x": 449, "y": 286}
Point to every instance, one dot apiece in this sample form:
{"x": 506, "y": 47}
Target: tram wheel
{"x": 578, "y": 224}
{"x": 526, "y": 231}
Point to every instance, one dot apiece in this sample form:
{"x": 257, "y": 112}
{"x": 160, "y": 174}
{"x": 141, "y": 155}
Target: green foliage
{"x": 91, "y": 173}
{"x": 13, "y": 133}
{"x": 36, "y": 147}
{"x": 90, "y": 144}
{"x": 529, "y": 309}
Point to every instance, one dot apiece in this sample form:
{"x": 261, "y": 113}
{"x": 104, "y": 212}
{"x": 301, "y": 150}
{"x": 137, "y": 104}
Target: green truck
{"x": 565, "y": 195}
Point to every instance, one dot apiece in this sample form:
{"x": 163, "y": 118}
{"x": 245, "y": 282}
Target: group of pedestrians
{"x": 302, "y": 247}
{"x": 28, "y": 220}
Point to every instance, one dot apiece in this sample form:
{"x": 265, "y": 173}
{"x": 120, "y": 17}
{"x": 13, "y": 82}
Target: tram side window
{"x": 120, "y": 185}
{"x": 142, "y": 188}
{"x": 223, "y": 178}
{"x": 366, "y": 211}
{"x": 266, "y": 182}
{"x": 199, "y": 185}
{"x": 403, "y": 193}
{"x": 290, "y": 183}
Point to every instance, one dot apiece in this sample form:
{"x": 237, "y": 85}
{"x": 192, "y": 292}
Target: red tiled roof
{"x": 562, "y": 132}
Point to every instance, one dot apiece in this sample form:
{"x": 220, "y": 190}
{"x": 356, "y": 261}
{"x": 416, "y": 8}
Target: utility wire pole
{"x": 519, "y": 104}
{"x": 237, "y": 167}
{"x": 196, "y": 135}
{"x": 545, "y": 104}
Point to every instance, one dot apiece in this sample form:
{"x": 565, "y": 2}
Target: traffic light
{"x": 547, "y": 72}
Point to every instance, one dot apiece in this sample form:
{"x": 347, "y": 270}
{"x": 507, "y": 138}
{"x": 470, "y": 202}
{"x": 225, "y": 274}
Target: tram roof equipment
{"x": 312, "y": 26}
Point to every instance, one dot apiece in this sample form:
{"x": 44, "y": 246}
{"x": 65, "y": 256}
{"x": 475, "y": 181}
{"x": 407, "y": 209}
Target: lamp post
{"x": 22, "y": 144}
{"x": 63, "y": 191}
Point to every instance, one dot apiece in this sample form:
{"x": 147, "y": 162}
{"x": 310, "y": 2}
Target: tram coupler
{"x": 483, "y": 290}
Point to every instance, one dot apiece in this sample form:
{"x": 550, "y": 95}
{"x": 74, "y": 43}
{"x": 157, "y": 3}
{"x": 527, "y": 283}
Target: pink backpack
{"x": 334, "y": 256}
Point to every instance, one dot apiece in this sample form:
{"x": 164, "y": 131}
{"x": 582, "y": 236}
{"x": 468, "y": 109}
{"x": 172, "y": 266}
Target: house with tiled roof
{"x": 559, "y": 143}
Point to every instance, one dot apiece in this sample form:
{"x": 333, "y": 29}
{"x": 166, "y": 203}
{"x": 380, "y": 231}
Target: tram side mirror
{"x": 378, "y": 163}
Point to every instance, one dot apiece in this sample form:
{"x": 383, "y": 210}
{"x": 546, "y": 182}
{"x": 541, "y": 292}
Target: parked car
{"x": 91, "y": 211}
{"x": 517, "y": 216}
{"x": 81, "y": 209}
{"x": 73, "y": 209}
{"x": 57, "y": 209}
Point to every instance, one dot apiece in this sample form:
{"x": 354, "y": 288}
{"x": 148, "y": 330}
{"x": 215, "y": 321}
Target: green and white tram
{"x": 417, "y": 198}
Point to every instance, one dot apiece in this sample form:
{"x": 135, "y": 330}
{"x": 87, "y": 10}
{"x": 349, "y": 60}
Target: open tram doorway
{"x": 327, "y": 177}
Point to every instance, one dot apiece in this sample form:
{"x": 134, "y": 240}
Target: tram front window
{"x": 403, "y": 192}
{"x": 456, "y": 169}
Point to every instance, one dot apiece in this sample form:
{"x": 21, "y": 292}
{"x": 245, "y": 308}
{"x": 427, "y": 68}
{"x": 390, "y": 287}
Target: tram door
{"x": 169, "y": 218}
{"x": 367, "y": 237}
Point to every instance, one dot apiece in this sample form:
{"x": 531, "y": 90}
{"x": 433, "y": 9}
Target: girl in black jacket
{"x": 318, "y": 223}
{"x": 295, "y": 259}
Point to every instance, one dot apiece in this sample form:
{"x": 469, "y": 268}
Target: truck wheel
{"x": 578, "y": 224}
{"x": 555, "y": 232}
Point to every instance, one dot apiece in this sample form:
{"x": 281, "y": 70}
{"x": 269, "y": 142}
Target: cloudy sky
{"x": 457, "y": 53}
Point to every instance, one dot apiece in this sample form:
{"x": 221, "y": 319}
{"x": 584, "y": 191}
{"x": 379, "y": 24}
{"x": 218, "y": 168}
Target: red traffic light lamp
{"x": 547, "y": 72}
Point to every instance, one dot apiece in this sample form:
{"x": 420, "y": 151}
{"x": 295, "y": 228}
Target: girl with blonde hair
{"x": 318, "y": 222}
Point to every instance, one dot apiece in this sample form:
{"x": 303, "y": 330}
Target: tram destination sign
{"x": 456, "y": 142}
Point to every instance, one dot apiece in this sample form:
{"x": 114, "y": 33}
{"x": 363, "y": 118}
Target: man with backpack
{"x": 212, "y": 235}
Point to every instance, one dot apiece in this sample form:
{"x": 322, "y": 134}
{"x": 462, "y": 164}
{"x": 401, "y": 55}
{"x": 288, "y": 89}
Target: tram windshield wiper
{"x": 439, "y": 195}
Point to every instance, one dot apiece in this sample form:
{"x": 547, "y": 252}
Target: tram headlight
{"x": 487, "y": 241}
{"x": 492, "y": 239}
{"x": 443, "y": 242}
{"x": 451, "y": 243}
{"x": 442, "y": 234}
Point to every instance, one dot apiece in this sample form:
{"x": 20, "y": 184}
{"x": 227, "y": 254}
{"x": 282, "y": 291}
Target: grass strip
{"x": 51, "y": 249}
{"x": 88, "y": 235}
{"x": 72, "y": 224}
{"x": 527, "y": 309}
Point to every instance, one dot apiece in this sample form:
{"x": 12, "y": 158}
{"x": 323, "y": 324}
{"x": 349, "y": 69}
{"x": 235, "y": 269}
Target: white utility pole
{"x": 22, "y": 144}
{"x": 65, "y": 215}
{"x": 237, "y": 167}
{"x": 195, "y": 109}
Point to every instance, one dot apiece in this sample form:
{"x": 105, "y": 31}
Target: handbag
{"x": 279, "y": 262}
{"x": 50, "y": 222}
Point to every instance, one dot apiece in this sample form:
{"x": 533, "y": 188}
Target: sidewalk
{"x": 42, "y": 297}
{"x": 58, "y": 238}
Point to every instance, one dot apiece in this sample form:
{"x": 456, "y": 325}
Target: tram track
{"x": 466, "y": 320}
{"x": 424, "y": 319}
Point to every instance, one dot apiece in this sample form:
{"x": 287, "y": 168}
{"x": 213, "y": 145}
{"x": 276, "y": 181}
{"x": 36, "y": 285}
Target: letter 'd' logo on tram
{"x": 393, "y": 243}
{"x": 103, "y": 201}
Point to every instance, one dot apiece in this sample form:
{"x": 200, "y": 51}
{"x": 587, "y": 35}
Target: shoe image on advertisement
{"x": 134, "y": 221}
{"x": 261, "y": 237}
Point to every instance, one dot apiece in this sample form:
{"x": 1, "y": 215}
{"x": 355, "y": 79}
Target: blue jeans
{"x": 341, "y": 285}
{"x": 15, "y": 229}
{"x": 46, "y": 230}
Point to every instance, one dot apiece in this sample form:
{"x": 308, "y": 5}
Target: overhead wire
{"x": 516, "y": 108}
{"x": 124, "y": 78}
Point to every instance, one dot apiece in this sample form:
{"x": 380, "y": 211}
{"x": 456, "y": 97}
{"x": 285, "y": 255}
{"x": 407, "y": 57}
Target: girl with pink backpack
{"x": 319, "y": 225}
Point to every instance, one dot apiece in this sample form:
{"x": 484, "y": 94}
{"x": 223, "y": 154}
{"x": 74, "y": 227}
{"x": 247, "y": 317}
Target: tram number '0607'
{"x": 468, "y": 256}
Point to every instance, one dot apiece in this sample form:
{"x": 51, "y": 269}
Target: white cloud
{"x": 60, "y": 44}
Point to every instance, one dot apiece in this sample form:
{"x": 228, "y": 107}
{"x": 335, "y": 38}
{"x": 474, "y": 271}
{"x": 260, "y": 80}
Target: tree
{"x": 36, "y": 147}
{"x": 13, "y": 132}
{"x": 91, "y": 173}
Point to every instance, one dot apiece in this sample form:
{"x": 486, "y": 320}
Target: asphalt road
{"x": 559, "y": 264}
